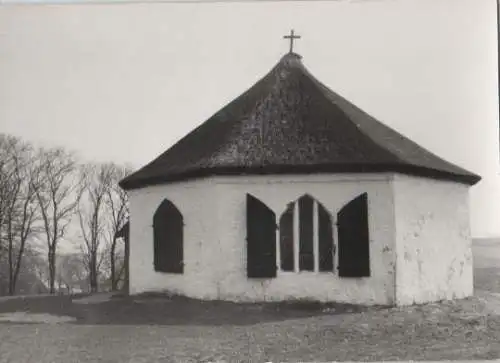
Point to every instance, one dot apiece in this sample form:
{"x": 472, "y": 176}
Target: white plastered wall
{"x": 333, "y": 191}
{"x": 434, "y": 257}
{"x": 196, "y": 200}
{"x": 214, "y": 213}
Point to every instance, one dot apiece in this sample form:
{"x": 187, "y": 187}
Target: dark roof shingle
{"x": 290, "y": 123}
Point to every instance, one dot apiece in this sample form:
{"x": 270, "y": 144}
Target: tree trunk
{"x": 12, "y": 283}
{"x": 11, "y": 272}
{"x": 52, "y": 269}
{"x": 114, "y": 281}
{"x": 93, "y": 273}
{"x": 10, "y": 238}
{"x": 126, "y": 283}
{"x": 18, "y": 265}
{"x": 93, "y": 283}
{"x": 12, "y": 287}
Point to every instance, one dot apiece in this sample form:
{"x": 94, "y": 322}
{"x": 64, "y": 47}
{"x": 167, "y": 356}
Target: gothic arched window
{"x": 168, "y": 230}
{"x": 306, "y": 237}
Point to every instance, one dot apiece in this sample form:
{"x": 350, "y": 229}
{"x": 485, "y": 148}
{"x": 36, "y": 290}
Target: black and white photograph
{"x": 249, "y": 181}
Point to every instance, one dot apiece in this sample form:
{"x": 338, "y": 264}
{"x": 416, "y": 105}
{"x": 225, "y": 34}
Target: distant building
{"x": 292, "y": 192}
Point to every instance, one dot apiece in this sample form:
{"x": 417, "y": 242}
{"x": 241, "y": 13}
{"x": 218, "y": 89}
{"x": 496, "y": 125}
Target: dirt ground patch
{"x": 158, "y": 309}
{"x": 445, "y": 331}
{"x": 24, "y": 317}
{"x": 172, "y": 329}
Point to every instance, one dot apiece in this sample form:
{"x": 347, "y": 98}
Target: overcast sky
{"x": 123, "y": 82}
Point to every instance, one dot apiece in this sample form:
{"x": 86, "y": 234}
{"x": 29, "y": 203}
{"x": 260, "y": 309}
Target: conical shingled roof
{"x": 290, "y": 123}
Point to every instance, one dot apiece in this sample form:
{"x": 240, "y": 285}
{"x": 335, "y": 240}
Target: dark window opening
{"x": 306, "y": 243}
{"x": 261, "y": 239}
{"x": 325, "y": 240}
{"x": 286, "y": 239}
{"x": 353, "y": 238}
{"x": 299, "y": 234}
{"x": 168, "y": 230}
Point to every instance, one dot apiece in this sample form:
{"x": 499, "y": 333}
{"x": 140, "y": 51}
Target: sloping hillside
{"x": 486, "y": 252}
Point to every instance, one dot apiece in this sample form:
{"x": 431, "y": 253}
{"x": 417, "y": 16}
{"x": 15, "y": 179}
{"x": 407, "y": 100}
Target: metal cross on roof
{"x": 292, "y": 36}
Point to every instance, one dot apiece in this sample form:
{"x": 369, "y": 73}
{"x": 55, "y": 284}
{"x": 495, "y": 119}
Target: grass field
{"x": 161, "y": 329}
{"x": 486, "y": 252}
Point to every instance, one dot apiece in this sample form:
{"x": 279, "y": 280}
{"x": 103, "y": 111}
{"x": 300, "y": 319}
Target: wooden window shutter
{"x": 168, "y": 234}
{"x": 353, "y": 238}
{"x": 286, "y": 239}
{"x": 306, "y": 247}
{"x": 325, "y": 240}
{"x": 261, "y": 239}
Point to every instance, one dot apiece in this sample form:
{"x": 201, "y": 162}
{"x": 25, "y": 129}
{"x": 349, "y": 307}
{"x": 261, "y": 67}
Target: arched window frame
{"x": 316, "y": 207}
{"x": 168, "y": 238}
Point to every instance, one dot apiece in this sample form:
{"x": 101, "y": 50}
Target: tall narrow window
{"x": 168, "y": 228}
{"x": 286, "y": 239}
{"x": 306, "y": 237}
{"x": 353, "y": 236}
{"x": 325, "y": 240}
{"x": 306, "y": 247}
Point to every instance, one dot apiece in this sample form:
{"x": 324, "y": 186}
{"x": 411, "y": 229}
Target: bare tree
{"x": 57, "y": 200}
{"x": 18, "y": 208}
{"x": 95, "y": 182}
{"x": 116, "y": 261}
{"x": 22, "y": 209}
{"x": 7, "y": 175}
{"x": 117, "y": 203}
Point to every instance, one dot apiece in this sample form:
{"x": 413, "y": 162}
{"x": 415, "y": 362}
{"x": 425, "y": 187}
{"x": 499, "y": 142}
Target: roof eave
{"x": 132, "y": 183}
